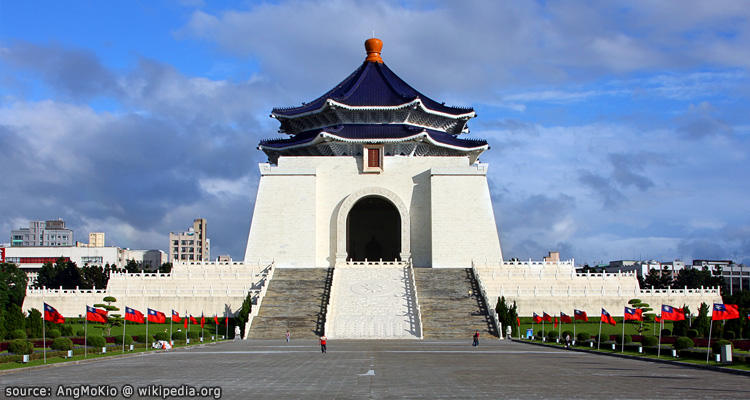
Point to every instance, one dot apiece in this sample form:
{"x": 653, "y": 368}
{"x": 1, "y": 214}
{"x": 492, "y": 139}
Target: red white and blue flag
{"x": 669, "y": 313}
{"x": 51, "y": 315}
{"x": 581, "y": 315}
{"x": 133, "y": 315}
{"x": 633, "y": 314}
{"x": 606, "y": 318}
{"x": 536, "y": 318}
{"x": 96, "y": 315}
{"x": 193, "y": 321}
{"x": 156, "y": 316}
{"x": 565, "y": 318}
{"x": 203, "y": 320}
{"x": 546, "y": 317}
{"x": 725, "y": 311}
{"x": 176, "y": 316}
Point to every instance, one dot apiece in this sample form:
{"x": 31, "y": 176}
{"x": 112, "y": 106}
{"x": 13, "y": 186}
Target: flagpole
{"x": 532, "y": 327}
{"x": 216, "y": 333}
{"x": 170, "y": 328}
{"x": 543, "y": 328}
{"x": 226, "y": 325}
{"x": 148, "y": 315}
{"x": 658, "y": 352}
{"x": 44, "y": 336}
{"x": 599, "y": 338}
{"x": 124, "y": 325}
{"x": 710, "y": 327}
{"x": 86, "y": 332}
{"x": 623, "y": 331}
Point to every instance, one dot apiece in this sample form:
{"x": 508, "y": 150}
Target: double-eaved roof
{"x": 372, "y": 105}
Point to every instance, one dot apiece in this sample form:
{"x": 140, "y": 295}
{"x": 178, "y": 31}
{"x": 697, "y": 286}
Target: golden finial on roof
{"x": 373, "y": 47}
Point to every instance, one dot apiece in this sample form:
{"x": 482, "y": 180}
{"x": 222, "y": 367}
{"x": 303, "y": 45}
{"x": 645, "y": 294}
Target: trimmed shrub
{"x": 692, "y": 333}
{"x": 192, "y": 335}
{"x": 18, "y": 334}
{"x": 128, "y": 339}
{"x": 666, "y": 332}
{"x": 53, "y": 334}
{"x": 683, "y": 343}
{"x": 618, "y": 338}
{"x": 716, "y": 346}
{"x": 649, "y": 341}
{"x": 178, "y": 336}
{"x": 80, "y": 333}
{"x": 96, "y": 341}
{"x": 161, "y": 336}
{"x": 552, "y": 335}
{"x": 729, "y": 335}
{"x": 66, "y": 330}
{"x": 583, "y": 336}
{"x": 62, "y": 344}
{"x": 540, "y": 333}
{"x": 602, "y": 338}
{"x": 20, "y": 346}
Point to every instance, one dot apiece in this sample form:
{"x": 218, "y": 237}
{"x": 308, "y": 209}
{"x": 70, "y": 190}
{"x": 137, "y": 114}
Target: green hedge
{"x": 80, "y": 333}
{"x": 161, "y": 336}
{"x": 96, "y": 341}
{"x": 192, "y": 335}
{"x": 692, "y": 333}
{"x": 716, "y": 346}
{"x": 552, "y": 335}
{"x": 20, "y": 346}
{"x": 62, "y": 344}
{"x": 729, "y": 335}
{"x": 128, "y": 340}
{"x": 683, "y": 343}
{"x": 649, "y": 341}
{"x": 666, "y": 332}
{"x": 583, "y": 336}
{"x": 53, "y": 334}
{"x": 628, "y": 338}
{"x": 179, "y": 336}
{"x": 66, "y": 330}
{"x": 18, "y": 334}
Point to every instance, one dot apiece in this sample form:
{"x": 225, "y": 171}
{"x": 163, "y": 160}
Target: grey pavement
{"x": 260, "y": 369}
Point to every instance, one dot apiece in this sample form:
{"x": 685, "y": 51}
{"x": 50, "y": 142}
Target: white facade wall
{"x": 302, "y": 202}
{"x": 79, "y": 255}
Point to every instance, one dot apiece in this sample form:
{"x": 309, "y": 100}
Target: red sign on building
{"x": 2, "y": 254}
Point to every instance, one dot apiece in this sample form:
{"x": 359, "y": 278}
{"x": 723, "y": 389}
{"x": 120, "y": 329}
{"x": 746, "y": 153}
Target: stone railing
{"x": 551, "y": 291}
{"x": 332, "y": 296}
{"x": 490, "y": 310}
{"x": 417, "y": 309}
{"x": 375, "y": 264}
{"x": 259, "y": 298}
{"x": 142, "y": 291}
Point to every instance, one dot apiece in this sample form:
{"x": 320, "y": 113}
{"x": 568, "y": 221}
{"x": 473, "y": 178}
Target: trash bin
{"x": 529, "y": 333}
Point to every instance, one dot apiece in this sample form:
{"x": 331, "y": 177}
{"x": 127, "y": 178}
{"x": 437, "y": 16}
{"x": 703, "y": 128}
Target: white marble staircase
{"x": 373, "y": 301}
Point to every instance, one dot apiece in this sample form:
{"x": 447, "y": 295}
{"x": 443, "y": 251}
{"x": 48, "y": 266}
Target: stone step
{"x": 295, "y": 301}
{"x": 447, "y": 310}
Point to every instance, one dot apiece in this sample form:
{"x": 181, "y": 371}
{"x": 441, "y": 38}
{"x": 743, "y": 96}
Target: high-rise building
{"x": 42, "y": 234}
{"x": 192, "y": 245}
{"x": 96, "y": 239}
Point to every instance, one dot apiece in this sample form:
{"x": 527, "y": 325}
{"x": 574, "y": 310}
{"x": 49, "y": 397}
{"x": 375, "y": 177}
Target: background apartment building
{"x": 42, "y": 234}
{"x": 191, "y": 245}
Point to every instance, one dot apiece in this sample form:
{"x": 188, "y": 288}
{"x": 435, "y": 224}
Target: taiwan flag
{"x": 657, "y": 319}
{"x": 186, "y": 322}
{"x": 193, "y": 321}
{"x": 176, "y": 316}
{"x": 669, "y": 313}
{"x": 518, "y": 321}
{"x": 96, "y": 315}
{"x": 536, "y": 318}
{"x": 565, "y": 318}
{"x": 203, "y": 320}
{"x": 51, "y": 315}
{"x": 633, "y": 314}
{"x": 157, "y": 317}
{"x": 606, "y": 318}
{"x": 216, "y": 320}
{"x": 581, "y": 315}
{"x": 555, "y": 322}
{"x": 723, "y": 311}
{"x": 546, "y": 317}
{"x": 133, "y": 315}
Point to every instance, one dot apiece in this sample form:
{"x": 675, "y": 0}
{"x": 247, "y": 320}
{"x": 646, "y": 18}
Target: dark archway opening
{"x": 373, "y": 230}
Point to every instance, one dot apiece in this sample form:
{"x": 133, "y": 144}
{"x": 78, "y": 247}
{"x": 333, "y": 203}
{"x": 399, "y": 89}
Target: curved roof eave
{"x": 329, "y": 103}
{"x": 323, "y": 135}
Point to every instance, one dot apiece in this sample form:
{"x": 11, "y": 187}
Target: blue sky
{"x": 618, "y": 130}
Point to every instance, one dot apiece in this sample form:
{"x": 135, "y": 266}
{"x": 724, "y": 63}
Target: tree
{"x": 679, "y": 328}
{"x": 112, "y": 319}
{"x": 94, "y": 276}
{"x": 34, "y": 324}
{"x": 166, "y": 268}
{"x": 13, "y": 283}
{"x": 14, "y": 319}
{"x": 133, "y": 267}
{"x": 658, "y": 279}
{"x": 701, "y": 322}
{"x": 242, "y": 317}
{"x": 64, "y": 273}
{"x": 506, "y": 315}
{"x": 695, "y": 278}
{"x": 641, "y": 326}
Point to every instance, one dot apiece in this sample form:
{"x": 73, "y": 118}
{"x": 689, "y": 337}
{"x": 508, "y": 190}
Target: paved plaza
{"x": 262, "y": 369}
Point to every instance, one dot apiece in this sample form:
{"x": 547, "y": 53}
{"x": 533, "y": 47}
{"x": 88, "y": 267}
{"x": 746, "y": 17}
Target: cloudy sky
{"x": 618, "y": 130}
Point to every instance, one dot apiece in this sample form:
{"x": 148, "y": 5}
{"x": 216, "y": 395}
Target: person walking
{"x": 322, "y": 341}
{"x": 288, "y": 335}
{"x": 476, "y": 339}
{"x": 567, "y": 341}
{"x": 469, "y": 293}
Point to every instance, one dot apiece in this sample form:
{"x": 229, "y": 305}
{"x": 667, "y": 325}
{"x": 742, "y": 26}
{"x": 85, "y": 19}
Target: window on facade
{"x": 373, "y": 158}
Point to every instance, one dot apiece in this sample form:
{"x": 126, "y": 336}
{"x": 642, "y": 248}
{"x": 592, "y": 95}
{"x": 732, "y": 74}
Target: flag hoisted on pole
{"x": 85, "y": 333}
{"x": 133, "y": 316}
{"x": 216, "y": 330}
{"x": 721, "y": 312}
{"x": 226, "y": 326}
{"x": 50, "y": 314}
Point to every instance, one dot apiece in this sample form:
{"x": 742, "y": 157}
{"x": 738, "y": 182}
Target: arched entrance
{"x": 373, "y": 230}
{"x": 379, "y": 199}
